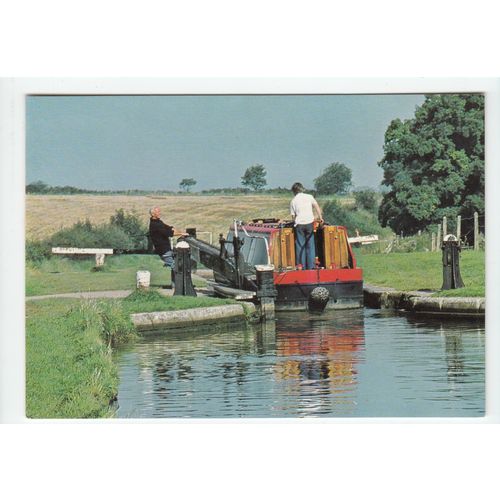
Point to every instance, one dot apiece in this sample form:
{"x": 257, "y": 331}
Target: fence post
{"x": 459, "y": 227}
{"x": 438, "y": 238}
{"x": 433, "y": 242}
{"x": 445, "y": 226}
{"x": 476, "y": 231}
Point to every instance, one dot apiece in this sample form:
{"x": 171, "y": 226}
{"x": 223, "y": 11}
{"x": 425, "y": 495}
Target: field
{"x": 46, "y": 214}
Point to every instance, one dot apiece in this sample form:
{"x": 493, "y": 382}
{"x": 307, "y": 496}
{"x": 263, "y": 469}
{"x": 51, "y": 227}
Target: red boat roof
{"x": 266, "y": 226}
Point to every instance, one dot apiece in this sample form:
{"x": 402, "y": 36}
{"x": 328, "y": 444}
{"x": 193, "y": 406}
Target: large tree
{"x": 254, "y": 177}
{"x": 434, "y": 163}
{"x": 335, "y": 179}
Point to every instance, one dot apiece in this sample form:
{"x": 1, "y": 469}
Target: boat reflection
{"x": 319, "y": 357}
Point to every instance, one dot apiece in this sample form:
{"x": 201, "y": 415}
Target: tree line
{"x": 335, "y": 179}
{"x": 40, "y": 187}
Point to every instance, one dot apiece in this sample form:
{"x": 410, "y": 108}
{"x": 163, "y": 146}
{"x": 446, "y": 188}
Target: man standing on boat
{"x": 160, "y": 234}
{"x": 301, "y": 209}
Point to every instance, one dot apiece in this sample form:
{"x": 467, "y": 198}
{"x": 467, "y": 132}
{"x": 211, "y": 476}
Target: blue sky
{"x": 152, "y": 142}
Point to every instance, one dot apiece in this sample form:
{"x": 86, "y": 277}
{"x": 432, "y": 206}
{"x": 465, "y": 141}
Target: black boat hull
{"x": 343, "y": 295}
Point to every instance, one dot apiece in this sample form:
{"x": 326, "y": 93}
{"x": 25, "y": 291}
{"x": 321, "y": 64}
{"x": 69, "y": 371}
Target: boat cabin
{"x": 267, "y": 241}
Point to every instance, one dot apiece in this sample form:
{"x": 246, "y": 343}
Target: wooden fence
{"x": 442, "y": 232}
{"x": 477, "y": 236}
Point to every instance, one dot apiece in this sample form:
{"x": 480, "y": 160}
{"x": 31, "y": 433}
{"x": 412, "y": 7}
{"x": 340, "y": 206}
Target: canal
{"x": 359, "y": 363}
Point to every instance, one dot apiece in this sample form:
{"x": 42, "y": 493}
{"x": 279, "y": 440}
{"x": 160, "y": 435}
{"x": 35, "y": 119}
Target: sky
{"x": 153, "y": 142}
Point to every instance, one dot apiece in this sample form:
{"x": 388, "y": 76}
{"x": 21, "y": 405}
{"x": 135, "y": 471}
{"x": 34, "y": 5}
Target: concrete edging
{"x": 162, "y": 320}
{"x": 421, "y": 302}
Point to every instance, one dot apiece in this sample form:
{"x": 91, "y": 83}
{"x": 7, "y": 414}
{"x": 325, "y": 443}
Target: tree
{"x": 434, "y": 163}
{"x": 37, "y": 187}
{"x": 365, "y": 198}
{"x": 186, "y": 184}
{"x": 335, "y": 179}
{"x": 255, "y": 177}
{"x": 132, "y": 225}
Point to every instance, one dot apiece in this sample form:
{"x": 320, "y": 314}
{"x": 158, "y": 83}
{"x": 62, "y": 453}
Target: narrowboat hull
{"x": 342, "y": 296}
{"x": 345, "y": 287}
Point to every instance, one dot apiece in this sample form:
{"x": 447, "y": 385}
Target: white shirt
{"x": 302, "y": 208}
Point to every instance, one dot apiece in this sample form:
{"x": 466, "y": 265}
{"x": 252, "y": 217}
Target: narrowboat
{"x": 271, "y": 243}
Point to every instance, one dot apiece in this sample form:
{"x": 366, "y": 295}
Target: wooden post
{"x": 433, "y": 242}
{"x": 476, "y": 231}
{"x": 445, "y": 226}
{"x": 438, "y": 238}
{"x": 459, "y": 227}
{"x": 266, "y": 291}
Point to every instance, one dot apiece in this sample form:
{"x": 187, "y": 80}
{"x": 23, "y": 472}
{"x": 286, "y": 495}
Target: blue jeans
{"x": 305, "y": 249}
{"x": 168, "y": 259}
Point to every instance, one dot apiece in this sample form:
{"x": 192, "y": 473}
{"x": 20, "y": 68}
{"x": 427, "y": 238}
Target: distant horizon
{"x": 192, "y": 191}
{"x": 150, "y": 143}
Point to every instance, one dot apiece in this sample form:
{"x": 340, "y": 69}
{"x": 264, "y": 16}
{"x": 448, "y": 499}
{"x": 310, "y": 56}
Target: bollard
{"x": 451, "y": 266}
{"x": 99, "y": 259}
{"x": 143, "y": 279}
{"x": 182, "y": 270}
{"x": 266, "y": 291}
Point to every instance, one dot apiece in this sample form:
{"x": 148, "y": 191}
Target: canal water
{"x": 361, "y": 363}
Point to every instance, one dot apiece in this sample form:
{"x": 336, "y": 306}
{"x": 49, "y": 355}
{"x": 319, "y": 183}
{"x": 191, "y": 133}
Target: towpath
{"x": 203, "y": 274}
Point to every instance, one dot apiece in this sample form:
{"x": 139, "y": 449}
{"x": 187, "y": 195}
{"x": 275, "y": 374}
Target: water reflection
{"x": 345, "y": 363}
{"x": 318, "y": 358}
{"x": 453, "y": 331}
{"x": 454, "y": 356}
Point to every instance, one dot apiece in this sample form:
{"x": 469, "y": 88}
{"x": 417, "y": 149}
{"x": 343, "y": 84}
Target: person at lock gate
{"x": 160, "y": 234}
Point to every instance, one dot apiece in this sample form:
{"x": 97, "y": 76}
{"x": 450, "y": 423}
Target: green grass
{"x": 423, "y": 271}
{"x": 64, "y": 275}
{"x": 69, "y": 371}
{"x": 150, "y": 301}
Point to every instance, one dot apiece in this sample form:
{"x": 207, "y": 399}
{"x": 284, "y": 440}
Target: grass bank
{"x": 423, "y": 271}
{"x": 69, "y": 370}
{"x": 150, "y": 301}
{"x": 64, "y": 275}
